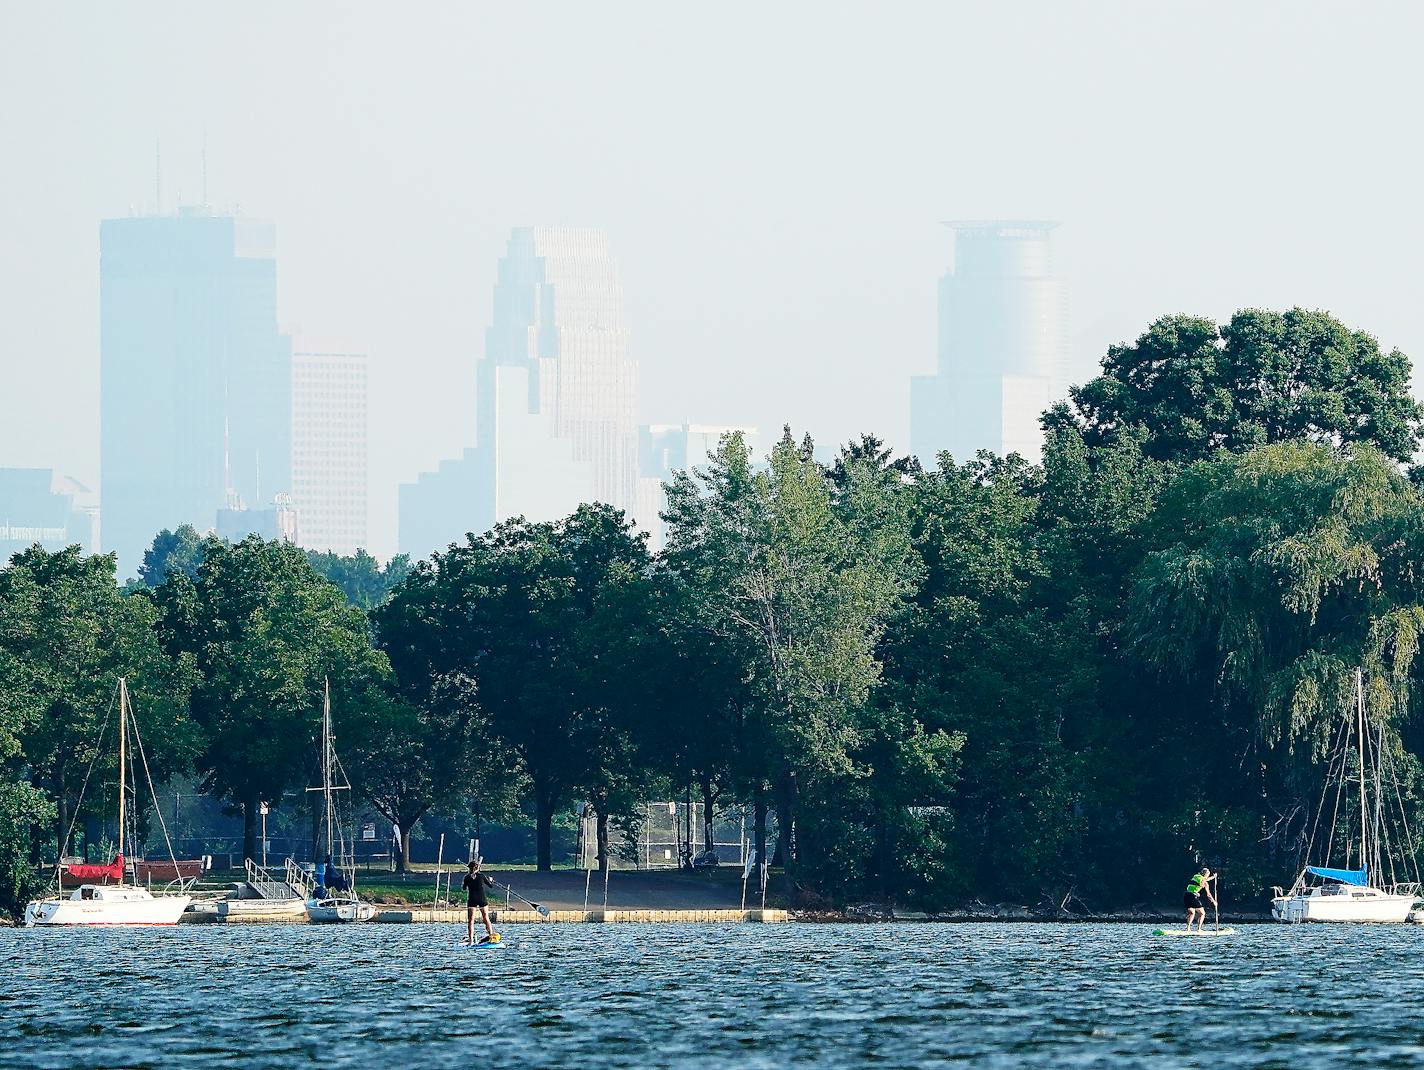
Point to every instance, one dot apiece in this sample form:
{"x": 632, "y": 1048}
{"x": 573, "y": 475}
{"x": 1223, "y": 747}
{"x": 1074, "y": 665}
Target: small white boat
{"x": 1348, "y": 900}
{"x": 1326, "y": 894}
{"x": 118, "y": 903}
{"x": 108, "y": 904}
{"x": 330, "y": 911}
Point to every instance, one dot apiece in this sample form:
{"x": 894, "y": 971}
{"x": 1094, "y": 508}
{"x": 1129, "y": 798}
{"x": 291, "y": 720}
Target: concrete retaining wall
{"x": 398, "y": 915}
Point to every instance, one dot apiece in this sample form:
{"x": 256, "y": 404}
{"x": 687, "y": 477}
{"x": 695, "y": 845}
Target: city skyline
{"x": 800, "y": 288}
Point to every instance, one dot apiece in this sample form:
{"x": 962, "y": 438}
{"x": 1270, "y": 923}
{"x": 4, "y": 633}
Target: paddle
{"x": 543, "y": 911}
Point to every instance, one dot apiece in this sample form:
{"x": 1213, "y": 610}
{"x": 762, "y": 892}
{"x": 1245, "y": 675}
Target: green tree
{"x": 801, "y": 576}
{"x": 67, "y": 633}
{"x": 1274, "y": 575}
{"x": 172, "y": 551}
{"x": 364, "y": 580}
{"x": 406, "y": 756}
{"x": 264, "y": 632}
{"x": 1264, "y": 377}
{"x": 526, "y": 613}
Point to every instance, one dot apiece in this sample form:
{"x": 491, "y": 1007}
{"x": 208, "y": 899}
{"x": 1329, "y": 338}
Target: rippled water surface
{"x": 591, "y": 996}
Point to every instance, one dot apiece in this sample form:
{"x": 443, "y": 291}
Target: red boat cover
{"x": 113, "y": 871}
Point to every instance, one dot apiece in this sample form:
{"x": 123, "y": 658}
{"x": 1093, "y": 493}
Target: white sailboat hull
{"x": 120, "y": 906}
{"x": 1360, "y": 905}
{"x": 333, "y": 911}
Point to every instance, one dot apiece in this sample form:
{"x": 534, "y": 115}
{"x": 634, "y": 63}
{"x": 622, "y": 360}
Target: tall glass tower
{"x": 557, "y": 386}
{"x": 1002, "y": 345}
{"x": 555, "y": 415}
{"x": 195, "y": 379}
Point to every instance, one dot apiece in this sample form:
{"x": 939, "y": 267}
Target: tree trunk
{"x": 62, "y": 811}
{"x": 709, "y": 802}
{"x": 544, "y": 819}
{"x": 403, "y": 859}
{"x": 786, "y": 829}
{"x": 249, "y": 830}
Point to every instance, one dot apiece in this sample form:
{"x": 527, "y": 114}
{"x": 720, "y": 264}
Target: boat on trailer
{"x": 96, "y": 901}
{"x": 1345, "y": 894}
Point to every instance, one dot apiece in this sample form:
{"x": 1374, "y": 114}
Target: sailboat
{"x": 96, "y": 901}
{"x": 1352, "y": 893}
{"x": 336, "y": 905}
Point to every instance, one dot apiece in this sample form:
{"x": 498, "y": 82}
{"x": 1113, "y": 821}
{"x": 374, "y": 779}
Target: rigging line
{"x": 98, "y": 749}
{"x": 1378, "y": 744}
{"x": 1342, "y": 755}
{"x": 148, "y": 775}
{"x": 1404, "y": 820}
{"x": 1319, "y": 810}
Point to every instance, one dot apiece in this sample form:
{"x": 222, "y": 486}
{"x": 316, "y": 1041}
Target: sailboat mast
{"x": 326, "y": 759}
{"x": 1360, "y": 746}
{"x": 123, "y": 746}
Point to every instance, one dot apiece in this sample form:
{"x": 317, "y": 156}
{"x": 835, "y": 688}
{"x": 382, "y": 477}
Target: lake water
{"x": 588, "y": 996}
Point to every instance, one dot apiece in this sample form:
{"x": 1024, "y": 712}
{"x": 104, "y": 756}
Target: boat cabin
{"x": 109, "y": 893}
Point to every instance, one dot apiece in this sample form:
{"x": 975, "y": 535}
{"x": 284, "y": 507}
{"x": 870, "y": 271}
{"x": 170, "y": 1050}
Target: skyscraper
{"x": 37, "y": 506}
{"x": 195, "y": 379}
{"x": 329, "y": 450}
{"x": 557, "y": 393}
{"x": 556, "y": 351}
{"x": 1002, "y": 345}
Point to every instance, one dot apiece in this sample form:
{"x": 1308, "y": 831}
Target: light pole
{"x": 262, "y": 809}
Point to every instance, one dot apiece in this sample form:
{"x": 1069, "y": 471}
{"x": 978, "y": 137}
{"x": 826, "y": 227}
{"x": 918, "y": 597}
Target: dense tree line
{"x": 1055, "y": 683}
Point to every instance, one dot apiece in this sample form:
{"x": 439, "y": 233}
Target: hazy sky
{"x": 772, "y": 177}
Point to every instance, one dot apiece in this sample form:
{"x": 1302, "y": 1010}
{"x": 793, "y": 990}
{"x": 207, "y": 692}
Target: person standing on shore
{"x": 1197, "y": 887}
{"x": 475, "y": 883}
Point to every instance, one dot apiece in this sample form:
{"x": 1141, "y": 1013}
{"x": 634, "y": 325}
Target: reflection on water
{"x": 586, "y": 996}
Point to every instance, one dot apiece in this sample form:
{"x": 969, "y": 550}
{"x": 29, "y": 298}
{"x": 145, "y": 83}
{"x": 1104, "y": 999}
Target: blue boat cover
{"x": 1344, "y": 876}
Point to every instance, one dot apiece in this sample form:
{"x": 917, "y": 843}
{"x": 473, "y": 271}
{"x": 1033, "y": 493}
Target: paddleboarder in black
{"x": 475, "y": 884}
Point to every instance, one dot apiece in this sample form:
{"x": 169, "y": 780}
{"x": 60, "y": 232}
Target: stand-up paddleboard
{"x": 1228, "y": 931}
{"x": 495, "y": 941}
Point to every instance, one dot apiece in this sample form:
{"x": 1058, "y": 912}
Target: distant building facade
{"x": 329, "y": 422}
{"x": 666, "y": 449}
{"x": 36, "y": 506}
{"x": 557, "y": 396}
{"x": 278, "y": 521}
{"x": 195, "y": 379}
{"x": 440, "y": 507}
{"x": 1002, "y": 345}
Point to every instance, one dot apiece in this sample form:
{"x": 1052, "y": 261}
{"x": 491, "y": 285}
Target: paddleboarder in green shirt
{"x": 1197, "y": 888}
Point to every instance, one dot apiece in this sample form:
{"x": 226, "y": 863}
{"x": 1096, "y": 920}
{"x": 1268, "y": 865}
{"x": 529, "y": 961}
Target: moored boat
{"x": 1346, "y": 894}
{"x": 332, "y": 904}
{"x": 96, "y": 901}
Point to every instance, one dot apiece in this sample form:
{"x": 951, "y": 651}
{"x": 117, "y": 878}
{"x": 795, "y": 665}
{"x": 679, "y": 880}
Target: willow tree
{"x": 1275, "y": 575}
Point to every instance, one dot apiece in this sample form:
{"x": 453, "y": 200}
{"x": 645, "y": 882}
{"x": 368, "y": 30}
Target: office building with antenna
{"x": 195, "y": 377}
{"x": 1002, "y": 345}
